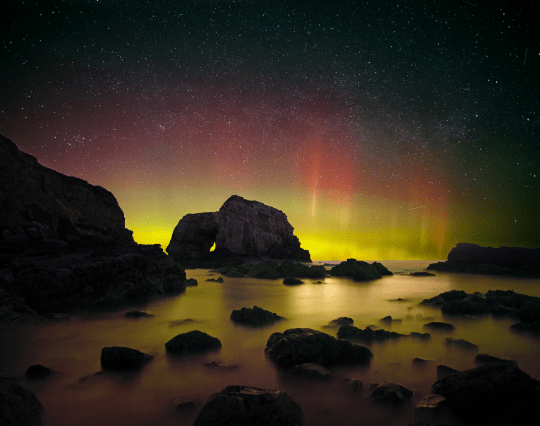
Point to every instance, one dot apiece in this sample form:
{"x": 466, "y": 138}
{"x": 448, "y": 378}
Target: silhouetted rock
{"x": 389, "y": 320}
{"x": 19, "y": 406}
{"x": 248, "y": 406}
{"x": 367, "y": 335}
{"x": 526, "y": 328}
{"x": 484, "y": 359}
{"x": 444, "y": 370}
{"x": 421, "y": 274}
{"x": 122, "y": 358}
{"x": 439, "y": 326}
{"x": 460, "y": 343}
{"x": 292, "y": 281}
{"x": 522, "y": 306}
{"x": 464, "y": 307}
{"x": 38, "y": 371}
{"x": 358, "y": 270}
{"x": 495, "y": 394}
{"x": 338, "y": 322}
{"x": 216, "y": 280}
{"x": 192, "y": 342}
{"x": 301, "y": 345}
{"x": 390, "y": 393}
{"x": 135, "y": 313}
{"x": 351, "y": 385}
{"x": 311, "y": 370}
{"x": 434, "y": 301}
{"x": 423, "y": 336}
{"x": 434, "y": 410}
{"x": 221, "y": 365}
{"x": 63, "y": 244}
{"x": 475, "y": 259}
{"x": 381, "y": 269}
{"x": 241, "y": 229}
{"x": 254, "y": 316}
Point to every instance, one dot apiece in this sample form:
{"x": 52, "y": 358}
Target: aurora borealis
{"x": 384, "y": 130}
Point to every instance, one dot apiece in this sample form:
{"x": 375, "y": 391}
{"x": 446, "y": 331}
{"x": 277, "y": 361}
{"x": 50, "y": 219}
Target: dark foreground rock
{"x": 292, "y": 281}
{"x": 64, "y": 245}
{"x": 311, "y": 370}
{"x": 241, "y": 229}
{"x": 390, "y": 393}
{"x": 434, "y": 410}
{"x": 254, "y": 316}
{"x": 359, "y": 270}
{"x": 484, "y": 359}
{"x": 248, "y": 406}
{"x": 122, "y": 358}
{"x": 192, "y": 342}
{"x": 304, "y": 345}
{"x": 18, "y": 406}
{"x": 475, "y": 259}
{"x": 496, "y": 394}
{"x": 461, "y": 344}
{"x": 439, "y": 326}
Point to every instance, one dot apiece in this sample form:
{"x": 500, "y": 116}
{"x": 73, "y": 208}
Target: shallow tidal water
{"x": 147, "y": 397}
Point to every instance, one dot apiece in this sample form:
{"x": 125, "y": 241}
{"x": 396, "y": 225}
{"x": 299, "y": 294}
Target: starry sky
{"x": 384, "y": 130}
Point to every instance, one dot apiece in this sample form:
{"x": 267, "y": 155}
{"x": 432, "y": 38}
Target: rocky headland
{"x": 64, "y": 244}
{"x": 241, "y": 230}
{"x": 475, "y": 259}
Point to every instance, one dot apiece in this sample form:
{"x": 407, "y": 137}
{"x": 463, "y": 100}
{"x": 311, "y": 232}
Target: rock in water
{"x": 475, "y": 259}
{"x": 121, "y": 358}
{"x": 18, "y": 406}
{"x": 241, "y": 228}
{"x": 249, "y": 406}
{"x": 495, "y": 394}
{"x": 391, "y": 393}
{"x": 192, "y": 342}
{"x": 304, "y": 345}
{"x": 254, "y": 316}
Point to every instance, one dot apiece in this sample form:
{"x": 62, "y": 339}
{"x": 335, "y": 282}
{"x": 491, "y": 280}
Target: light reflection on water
{"x": 146, "y": 397}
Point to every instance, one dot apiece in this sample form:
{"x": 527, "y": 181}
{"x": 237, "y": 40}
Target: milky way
{"x": 383, "y": 130}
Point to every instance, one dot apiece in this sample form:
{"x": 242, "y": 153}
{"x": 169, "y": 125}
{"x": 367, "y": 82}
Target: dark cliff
{"x": 242, "y": 229}
{"x": 475, "y": 259}
{"x": 63, "y": 244}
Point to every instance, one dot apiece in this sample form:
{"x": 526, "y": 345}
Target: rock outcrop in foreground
{"x": 475, "y": 259}
{"x": 63, "y": 244}
{"x": 241, "y": 229}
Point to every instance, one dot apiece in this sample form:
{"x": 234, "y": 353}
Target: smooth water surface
{"x": 148, "y": 396}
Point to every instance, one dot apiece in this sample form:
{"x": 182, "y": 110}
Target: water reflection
{"x": 146, "y": 397}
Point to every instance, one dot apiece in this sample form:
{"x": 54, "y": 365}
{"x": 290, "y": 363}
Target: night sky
{"x": 384, "y": 130}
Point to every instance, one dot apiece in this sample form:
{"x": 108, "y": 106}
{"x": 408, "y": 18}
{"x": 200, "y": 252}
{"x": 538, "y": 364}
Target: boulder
{"x": 495, "y": 394}
{"x": 221, "y": 365}
{"x": 434, "y": 301}
{"x": 367, "y": 335}
{"x": 423, "y": 336}
{"x": 311, "y": 370}
{"x": 241, "y": 229}
{"x": 475, "y": 259}
{"x": 421, "y": 274}
{"x": 439, "y": 326}
{"x": 357, "y": 270}
{"x": 339, "y": 322}
{"x": 292, "y": 281}
{"x": 135, "y": 313}
{"x": 38, "y": 371}
{"x": 19, "y": 406}
{"x": 464, "y": 307}
{"x": 247, "y": 406}
{"x": 390, "y": 393}
{"x": 434, "y": 410}
{"x": 351, "y": 385}
{"x": 460, "y": 343}
{"x": 254, "y": 316}
{"x": 192, "y": 342}
{"x": 122, "y": 358}
{"x": 444, "y": 370}
{"x": 304, "y": 345}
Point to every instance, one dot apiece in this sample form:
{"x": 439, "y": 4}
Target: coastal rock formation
{"x": 241, "y": 228}
{"x": 475, "y": 259}
{"x": 63, "y": 244}
{"x": 254, "y": 316}
{"x": 247, "y": 406}
{"x": 192, "y": 342}
{"x": 359, "y": 270}
{"x": 121, "y": 358}
{"x": 390, "y": 393}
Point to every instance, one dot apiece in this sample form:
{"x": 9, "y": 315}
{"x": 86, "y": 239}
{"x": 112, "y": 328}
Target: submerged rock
{"x": 439, "y": 326}
{"x": 390, "y": 393}
{"x": 248, "y": 406}
{"x": 351, "y": 332}
{"x": 444, "y": 370}
{"x": 304, "y": 345}
{"x": 292, "y": 281}
{"x": 351, "y": 385}
{"x": 495, "y": 394}
{"x": 19, "y": 406}
{"x": 38, "y": 371}
{"x": 338, "y": 322}
{"x": 460, "y": 343}
{"x": 122, "y": 358}
{"x": 135, "y": 313}
{"x": 192, "y": 342}
{"x": 254, "y": 316}
{"x": 311, "y": 370}
{"x": 434, "y": 410}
